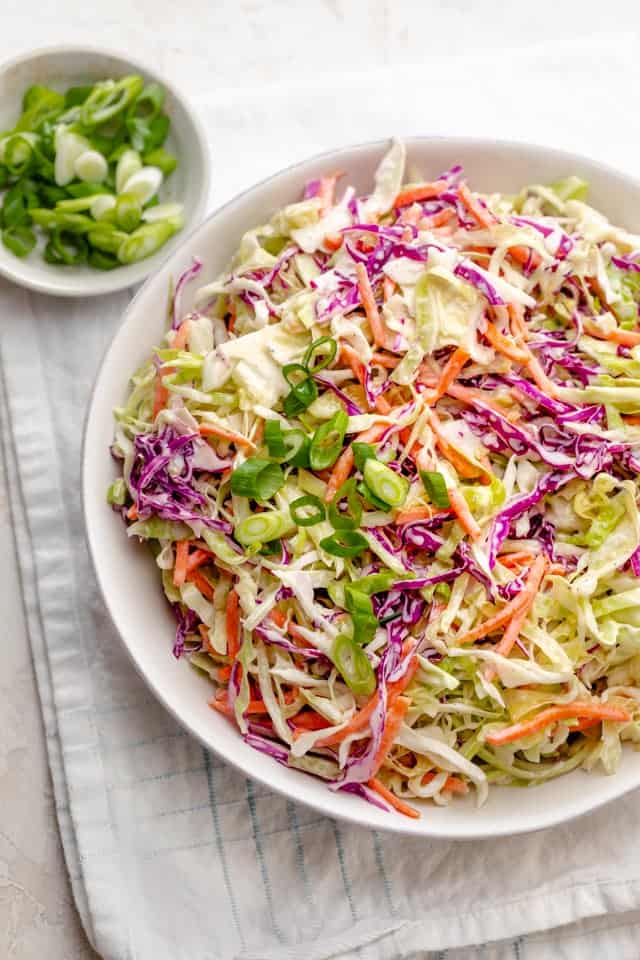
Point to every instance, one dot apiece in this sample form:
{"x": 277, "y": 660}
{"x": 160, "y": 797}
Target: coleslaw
{"x": 388, "y": 468}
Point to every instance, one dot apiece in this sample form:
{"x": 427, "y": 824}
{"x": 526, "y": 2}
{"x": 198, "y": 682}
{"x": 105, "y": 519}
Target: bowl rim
{"x": 548, "y": 817}
{"x": 103, "y": 282}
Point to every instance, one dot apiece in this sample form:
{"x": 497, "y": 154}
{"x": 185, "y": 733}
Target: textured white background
{"x": 207, "y": 45}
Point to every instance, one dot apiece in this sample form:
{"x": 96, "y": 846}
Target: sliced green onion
{"x": 76, "y": 96}
{"x": 39, "y": 104}
{"x": 117, "y": 492}
{"x": 91, "y": 167}
{"x": 376, "y": 582}
{"x": 384, "y": 483}
{"x": 102, "y": 261}
{"x": 144, "y": 184}
{"x": 257, "y": 478}
{"x": 344, "y": 543}
{"x": 303, "y": 503}
{"x": 350, "y": 518}
{"x": 66, "y": 247}
{"x": 436, "y": 488}
{"x": 274, "y": 439}
{"x": 162, "y": 159}
{"x": 128, "y": 212}
{"x": 18, "y": 152}
{"x": 61, "y": 220}
{"x": 109, "y": 98}
{"x": 326, "y": 444}
{"x": 163, "y": 211}
{"x": 354, "y": 666}
{"x": 145, "y": 241}
{"x": 148, "y": 103}
{"x": 298, "y": 446}
{"x": 147, "y": 135}
{"x": 371, "y": 498}
{"x": 14, "y": 209}
{"x": 105, "y": 237}
{"x": 360, "y": 606}
{"x": 68, "y": 147}
{"x": 361, "y": 453}
{"x": 303, "y": 389}
{"x": 129, "y": 162}
{"x": 262, "y": 527}
{"x": 20, "y": 240}
{"x": 320, "y": 354}
{"x": 84, "y": 190}
{"x": 101, "y": 206}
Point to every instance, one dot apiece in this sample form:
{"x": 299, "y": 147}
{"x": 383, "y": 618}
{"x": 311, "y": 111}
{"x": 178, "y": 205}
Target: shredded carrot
{"x": 452, "y": 784}
{"x": 426, "y": 191}
{"x": 527, "y": 596}
{"x": 201, "y": 583}
{"x": 333, "y": 241}
{"x": 452, "y": 368}
{"x": 493, "y": 623}
{"x": 370, "y": 305}
{"x": 213, "y": 430}
{"x": 414, "y": 515}
{"x": 160, "y": 397}
{"x": 196, "y": 559}
{"x": 231, "y": 322}
{"x": 344, "y": 464}
{"x": 626, "y": 338}
{"x": 518, "y": 559}
{"x": 633, "y": 420}
{"x": 392, "y": 800}
{"x": 393, "y": 722}
{"x": 437, "y": 219}
{"x": 385, "y": 360}
{"x": 586, "y": 724}
{"x": 309, "y": 720}
{"x": 233, "y": 624}
{"x": 542, "y": 380}
{"x": 516, "y": 318}
{"x": 557, "y": 569}
{"x": 132, "y": 512}
{"x": 565, "y": 711}
{"x": 471, "y": 394}
{"x": 505, "y": 345}
{"x": 278, "y": 617}
{"x": 224, "y": 674}
{"x": 463, "y": 514}
{"x": 464, "y": 466}
{"x": 182, "y": 335}
{"x": 258, "y": 433}
{"x": 180, "y": 567}
{"x": 525, "y": 255}
{"x": 479, "y": 213}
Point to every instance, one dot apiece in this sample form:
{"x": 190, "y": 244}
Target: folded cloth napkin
{"x": 172, "y": 854}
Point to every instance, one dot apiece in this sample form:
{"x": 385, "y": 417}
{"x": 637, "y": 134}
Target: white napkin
{"x": 174, "y": 856}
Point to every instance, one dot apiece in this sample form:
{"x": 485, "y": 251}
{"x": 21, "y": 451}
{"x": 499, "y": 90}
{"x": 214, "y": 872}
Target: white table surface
{"x": 201, "y": 44}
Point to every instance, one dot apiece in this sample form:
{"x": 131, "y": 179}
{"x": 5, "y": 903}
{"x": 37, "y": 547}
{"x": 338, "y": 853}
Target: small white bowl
{"x": 129, "y": 579}
{"x": 61, "y": 67}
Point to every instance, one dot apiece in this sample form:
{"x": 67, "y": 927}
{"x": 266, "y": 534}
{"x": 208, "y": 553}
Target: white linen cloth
{"x": 172, "y": 854}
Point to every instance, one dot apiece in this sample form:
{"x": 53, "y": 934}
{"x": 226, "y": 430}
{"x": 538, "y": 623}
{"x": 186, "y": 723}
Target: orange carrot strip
{"x": 465, "y": 467}
{"x": 527, "y": 595}
{"x": 385, "y": 360}
{"x": 278, "y": 617}
{"x": 344, "y": 464}
{"x": 327, "y": 191}
{"x": 471, "y": 394}
{"x": 518, "y": 559}
{"x": 452, "y": 783}
{"x": 233, "y": 624}
{"x": 224, "y": 674}
{"x": 349, "y": 355}
{"x": 505, "y": 345}
{"x": 395, "y": 716}
{"x": 182, "y": 335}
{"x": 392, "y": 800}
{"x": 493, "y": 623}
{"x": 132, "y": 512}
{"x": 370, "y": 305}
{"x": 213, "y": 430}
{"x": 160, "y": 397}
{"x": 463, "y": 514}
{"x": 309, "y": 720}
{"x": 426, "y": 191}
{"x": 479, "y": 213}
{"x": 585, "y": 724}
{"x": 627, "y": 338}
{"x": 414, "y": 514}
{"x": 437, "y": 219}
{"x": 516, "y": 317}
{"x": 540, "y": 377}
{"x": 333, "y": 241}
{"x": 579, "y": 710}
{"x": 633, "y": 420}
{"x": 197, "y": 558}
{"x": 452, "y": 368}
{"x": 360, "y": 720}
{"x": 180, "y": 567}
{"x": 233, "y": 316}
{"x": 524, "y": 255}
{"x": 201, "y": 583}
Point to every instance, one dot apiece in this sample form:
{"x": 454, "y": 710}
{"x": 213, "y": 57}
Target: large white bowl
{"x": 129, "y": 579}
{"x": 62, "y": 67}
